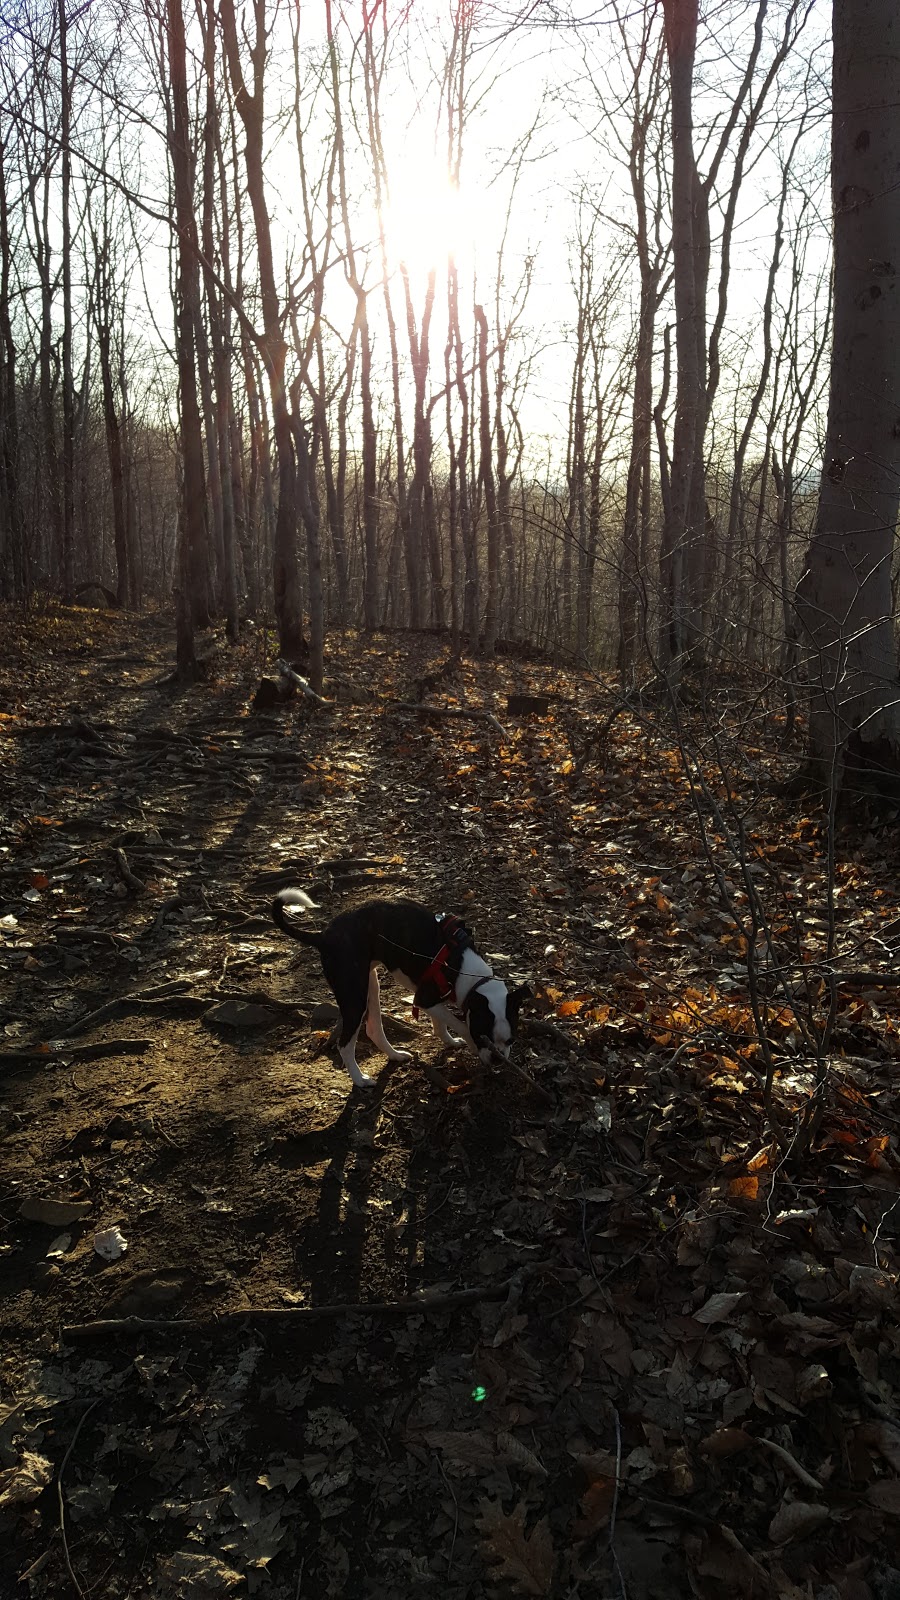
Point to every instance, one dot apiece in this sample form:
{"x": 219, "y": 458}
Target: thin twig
{"x": 62, "y": 1504}
{"x": 615, "y": 1505}
{"x": 791, "y": 1463}
{"x": 455, "y": 1512}
{"x": 297, "y": 1316}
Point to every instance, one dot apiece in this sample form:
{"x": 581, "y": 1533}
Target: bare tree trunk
{"x": 844, "y": 596}
{"x": 372, "y": 80}
{"x": 219, "y": 397}
{"x": 486, "y": 474}
{"x": 679, "y": 535}
{"x": 452, "y": 508}
{"x": 471, "y": 588}
{"x": 187, "y": 313}
{"x": 13, "y": 570}
{"x": 51, "y": 553}
{"x": 250, "y": 109}
{"x": 68, "y": 396}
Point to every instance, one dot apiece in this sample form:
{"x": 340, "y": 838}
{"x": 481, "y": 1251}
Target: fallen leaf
{"x": 795, "y": 1519}
{"x": 21, "y": 1484}
{"x": 596, "y": 1505}
{"x": 514, "y": 1453}
{"x": 193, "y": 1572}
{"x": 744, "y": 1188}
{"x": 719, "y": 1307}
{"x": 725, "y": 1442}
{"x": 467, "y": 1450}
{"x": 883, "y": 1437}
{"x": 885, "y": 1496}
{"x": 527, "y": 1562}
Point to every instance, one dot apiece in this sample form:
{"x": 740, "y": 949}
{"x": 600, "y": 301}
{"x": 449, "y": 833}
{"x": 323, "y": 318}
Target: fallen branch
{"x": 75, "y": 1052}
{"x": 135, "y": 884}
{"x": 866, "y": 980}
{"x": 790, "y": 1463}
{"x": 90, "y": 935}
{"x": 470, "y": 713}
{"x": 538, "y": 1028}
{"x": 303, "y": 684}
{"x": 297, "y": 1316}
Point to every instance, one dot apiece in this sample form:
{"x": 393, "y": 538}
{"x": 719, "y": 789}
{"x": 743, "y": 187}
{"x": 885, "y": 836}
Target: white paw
{"x": 399, "y": 1055}
{"x": 363, "y": 1081}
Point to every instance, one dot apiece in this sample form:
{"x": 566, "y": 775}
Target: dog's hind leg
{"x": 374, "y": 1024}
{"x": 350, "y": 994}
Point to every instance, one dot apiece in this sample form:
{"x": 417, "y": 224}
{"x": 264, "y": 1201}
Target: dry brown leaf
{"x": 744, "y": 1188}
{"x": 26, "y": 1480}
{"x": 719, "y": 1307}
{"x": 526, "y": 1562}
{"x": 463, "y": 1449}
{"x": 885, "y": 1496}
{"x": 725, "y": 1442}
{"x": 795, "y": 1519}
{"x": 721, "y": 1564}
{"x": 883, "y": 1437}
{"x": 596, "y": 1504}
{"x": 514, "y": 1453}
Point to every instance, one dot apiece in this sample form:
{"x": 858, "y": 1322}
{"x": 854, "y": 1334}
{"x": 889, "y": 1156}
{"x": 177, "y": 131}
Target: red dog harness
{"x": 457, "y": 939}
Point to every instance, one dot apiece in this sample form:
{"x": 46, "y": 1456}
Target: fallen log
{"x": 75, "y": 1052}
{"x": 303, "y": 684}
{"x": 470, "y": 713}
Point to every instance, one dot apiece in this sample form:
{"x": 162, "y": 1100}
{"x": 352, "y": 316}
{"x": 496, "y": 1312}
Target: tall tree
{"x": 250, "y": 106}
{"x": 192, "y": 566}
{"x": 681, "y": 541}
{"x": 12, "y": 527}
{"x": 844, "y": 595}
{"x": 68, "y": 392}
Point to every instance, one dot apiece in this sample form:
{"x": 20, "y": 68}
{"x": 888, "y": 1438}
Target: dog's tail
{"x": 288, "y": 925}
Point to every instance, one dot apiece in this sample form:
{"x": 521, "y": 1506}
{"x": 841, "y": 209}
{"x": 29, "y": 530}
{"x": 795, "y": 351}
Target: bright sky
{"x": 540, "y": 130}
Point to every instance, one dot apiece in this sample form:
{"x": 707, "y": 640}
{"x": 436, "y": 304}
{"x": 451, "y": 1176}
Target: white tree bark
{"x": 844, "y": 596}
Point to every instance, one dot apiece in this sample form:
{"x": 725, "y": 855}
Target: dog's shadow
{"x": 332, "y": 1243}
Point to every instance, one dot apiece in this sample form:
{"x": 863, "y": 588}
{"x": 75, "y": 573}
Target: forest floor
{"x": 676, "y": 1370}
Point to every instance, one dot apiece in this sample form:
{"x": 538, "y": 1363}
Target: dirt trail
{"x": 382, "y": 1455}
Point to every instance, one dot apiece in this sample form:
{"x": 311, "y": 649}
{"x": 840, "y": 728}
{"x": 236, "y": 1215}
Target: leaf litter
{"x": 691, "y": 1377}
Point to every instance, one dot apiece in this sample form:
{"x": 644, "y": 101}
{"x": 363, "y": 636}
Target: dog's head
{"x": 492, "y": 1013}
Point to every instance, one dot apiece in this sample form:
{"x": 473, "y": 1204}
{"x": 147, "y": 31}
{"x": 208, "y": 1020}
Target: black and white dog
{"x": 432, "y": 957}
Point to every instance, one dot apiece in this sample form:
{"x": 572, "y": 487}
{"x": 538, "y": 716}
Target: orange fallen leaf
{"x": 744, "y": 1188}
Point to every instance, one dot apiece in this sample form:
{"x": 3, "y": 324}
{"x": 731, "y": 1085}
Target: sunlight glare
{"x": 428, "y": 218}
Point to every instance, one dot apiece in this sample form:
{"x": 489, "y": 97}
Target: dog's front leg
{"x": 375, "y": 1026}
{"x": 441, "y": 1016}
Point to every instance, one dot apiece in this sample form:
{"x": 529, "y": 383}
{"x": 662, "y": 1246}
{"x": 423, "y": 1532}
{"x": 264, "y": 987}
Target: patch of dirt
{"x": 677, "y": 1363}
